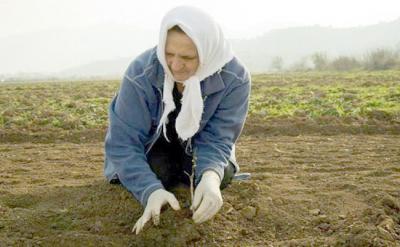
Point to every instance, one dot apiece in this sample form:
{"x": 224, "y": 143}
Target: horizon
{"x": 22, "y": 20}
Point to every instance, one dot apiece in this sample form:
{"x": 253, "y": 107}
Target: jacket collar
{"x": 155, "y": 74}
{"x": 212, "y": 84}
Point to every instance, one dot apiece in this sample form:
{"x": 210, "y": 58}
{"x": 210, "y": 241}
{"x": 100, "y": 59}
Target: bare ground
{"x": 305, "y": 190}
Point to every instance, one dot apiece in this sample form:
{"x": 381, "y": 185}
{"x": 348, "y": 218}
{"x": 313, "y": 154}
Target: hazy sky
{"x": 239, "y": 19}
{"x": 53, "y": 35}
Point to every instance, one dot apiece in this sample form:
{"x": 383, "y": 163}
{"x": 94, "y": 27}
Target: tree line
{"x": 378, "y": 59}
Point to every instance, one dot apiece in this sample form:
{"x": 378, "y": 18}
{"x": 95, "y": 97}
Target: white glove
{"x": 207, "y": 199}
{"x": 156, "y": 200}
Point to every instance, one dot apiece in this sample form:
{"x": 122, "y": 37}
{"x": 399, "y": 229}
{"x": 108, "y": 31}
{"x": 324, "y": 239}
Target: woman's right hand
{"x": 156, "y": 200}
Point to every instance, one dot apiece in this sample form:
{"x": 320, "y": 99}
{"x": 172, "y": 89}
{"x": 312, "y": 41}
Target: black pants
{"x": 169, "y": 162}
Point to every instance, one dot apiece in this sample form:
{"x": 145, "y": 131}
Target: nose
{"x": 176, "y": 63}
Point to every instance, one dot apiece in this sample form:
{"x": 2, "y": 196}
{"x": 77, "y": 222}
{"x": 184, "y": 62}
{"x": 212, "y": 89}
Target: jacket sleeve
{"x": 129, "y": 129}
{"x": 213, "y": 144}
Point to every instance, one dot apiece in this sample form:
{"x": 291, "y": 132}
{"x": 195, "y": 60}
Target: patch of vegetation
{"x": 357, "y": 95}
{"x": 56, "y": 106}
{"x": 59, "y": 107}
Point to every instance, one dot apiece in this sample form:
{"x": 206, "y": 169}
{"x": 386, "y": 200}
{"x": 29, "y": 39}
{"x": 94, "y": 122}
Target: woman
{"x": 182, "y": 101}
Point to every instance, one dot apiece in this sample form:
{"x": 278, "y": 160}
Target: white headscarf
{"x": 214, "y": 52}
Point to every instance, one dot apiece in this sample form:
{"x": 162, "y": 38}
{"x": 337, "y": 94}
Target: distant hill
{"x": 293, "y": 44}
{"x": 107, "y": 68}
{"x": 50, "y": 51}
{"x": 107, "y": 50}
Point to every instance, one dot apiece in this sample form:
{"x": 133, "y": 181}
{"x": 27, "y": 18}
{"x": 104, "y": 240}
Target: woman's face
{"x": 181, "y": 55}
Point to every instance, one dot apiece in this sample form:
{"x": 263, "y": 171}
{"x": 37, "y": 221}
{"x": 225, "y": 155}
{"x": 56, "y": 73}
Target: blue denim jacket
{"x": 136, "y": 110}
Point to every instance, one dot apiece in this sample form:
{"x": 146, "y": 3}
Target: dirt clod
{"x": 384, "y": 234}
{"x": 249, "y": 212}
{"x": 97, "y": 227}
{"x": 315, "y": 212}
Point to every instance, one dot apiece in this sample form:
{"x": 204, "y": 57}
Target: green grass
{"x": 362, "y": 95}
{"x": 53, "y": 106}
{"x": 58, "y": 105}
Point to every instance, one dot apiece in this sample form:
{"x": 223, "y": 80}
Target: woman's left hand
{"x": 207, "y": 199}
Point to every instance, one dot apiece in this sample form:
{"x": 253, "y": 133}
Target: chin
{"x": 181, "y": 78}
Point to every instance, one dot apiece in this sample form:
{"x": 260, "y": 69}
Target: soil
{"x": 305, "y": 190}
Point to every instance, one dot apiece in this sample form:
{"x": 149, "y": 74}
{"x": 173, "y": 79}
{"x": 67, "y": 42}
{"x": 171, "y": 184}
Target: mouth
{"x": 179, "y": 73}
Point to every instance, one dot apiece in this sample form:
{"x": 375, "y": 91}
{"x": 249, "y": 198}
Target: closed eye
{"x": 188, "y": 58}
{"x": 168, "y": 54}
